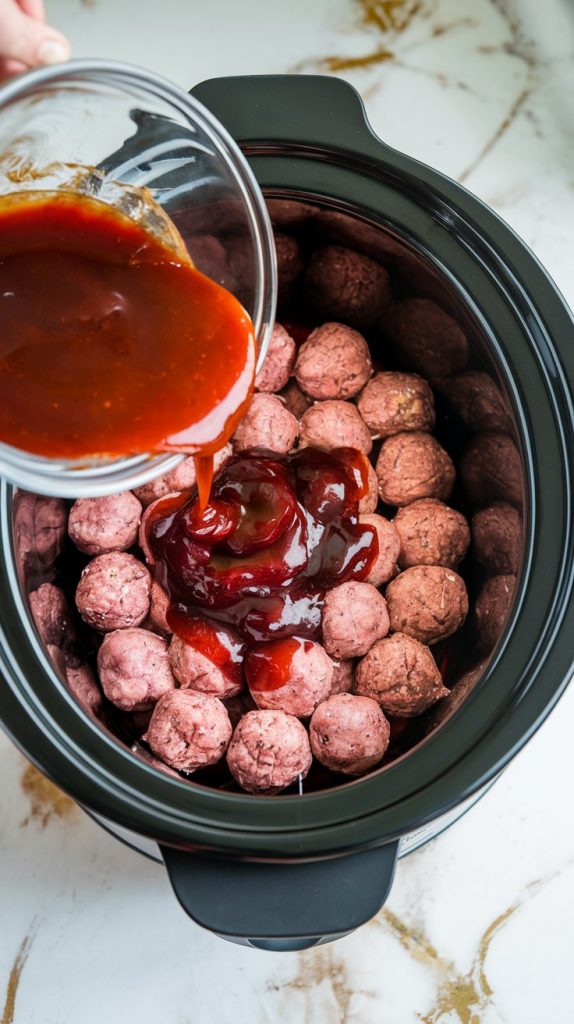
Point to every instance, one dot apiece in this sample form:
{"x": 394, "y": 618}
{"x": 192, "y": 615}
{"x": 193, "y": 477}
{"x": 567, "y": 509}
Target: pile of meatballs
{"x": 356, "y": 362}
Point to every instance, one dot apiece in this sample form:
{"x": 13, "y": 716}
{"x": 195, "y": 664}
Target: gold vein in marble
{"x": 46, "y": 800}
{"x": 14, "y": 978}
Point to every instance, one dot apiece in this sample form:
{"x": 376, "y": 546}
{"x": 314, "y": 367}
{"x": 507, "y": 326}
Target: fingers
{"x": 27, "y": 40}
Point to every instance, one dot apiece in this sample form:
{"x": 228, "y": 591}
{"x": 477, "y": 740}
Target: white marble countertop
{"x": 479, "y": 923}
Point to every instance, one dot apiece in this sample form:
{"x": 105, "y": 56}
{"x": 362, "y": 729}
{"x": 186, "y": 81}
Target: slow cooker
{"x": 291, "y": 871}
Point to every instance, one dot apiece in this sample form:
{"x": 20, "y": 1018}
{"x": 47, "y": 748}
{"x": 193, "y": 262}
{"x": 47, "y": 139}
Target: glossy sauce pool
{"x": 110, "y": 344}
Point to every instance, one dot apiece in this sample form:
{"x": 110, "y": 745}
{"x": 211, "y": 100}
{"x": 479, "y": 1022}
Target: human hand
{"x": 25, "y": 39}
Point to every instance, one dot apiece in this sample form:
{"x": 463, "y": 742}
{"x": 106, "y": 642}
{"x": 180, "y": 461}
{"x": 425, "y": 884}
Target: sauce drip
{"x": 277, "y": 533}
{"x": 110, "y": 343}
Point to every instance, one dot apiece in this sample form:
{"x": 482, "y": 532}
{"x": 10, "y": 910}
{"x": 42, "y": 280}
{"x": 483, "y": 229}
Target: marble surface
{"x": 479, "y": 924}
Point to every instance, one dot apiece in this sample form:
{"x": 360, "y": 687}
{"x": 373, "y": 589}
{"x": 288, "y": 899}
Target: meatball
{"x": 427, "y": 339}
{"x": 39, "y": 530}
{"x": 491, "y": 471}
{"x": 269, "y": 751}
{"x": 428, "y": 602}
{"x": 334, "y": 424}
{"x": 134, "y": 670}
{"x": 497, "y": 539}
{"x": 278, "y": 362}
{"x": 334, "y": 362}
{"x": 290, "y": 266}
{"x": 294, "y": 399}
{"x": 210, "y": 257}
{"x": 189, "y": 730}
{"x": 402, "y": 675}
{"x": 195, "y": 670}
{"x": 349, "y": 734}
{"x": 411, "y": 466}
{"x": 457, "y": 694}
{"x": 266, "y": 424}
{"x": 158, "y": 608}
{"x": 371, "y": 499}
{"x": 354, "y": 616}
{"x": 113, "y": 592}
{"x": 100, "y": 525}
{"x": 52, "y": 616}
{"x": 491, "y": 610}
{"x": 395, "y": 402}
{"x": 345, "y": 285}
{"x": 343, "y": 676}
{"x": 431, "y": 533}
{"x": 289, "y": 213}
{"x": 82, "y": 684}
{"x": 290, "y": 675}
{"x": 385, "y": 565}
{"x": 477, "y": 401}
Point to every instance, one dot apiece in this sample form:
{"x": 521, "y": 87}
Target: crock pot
{"x": 292, "y": 871}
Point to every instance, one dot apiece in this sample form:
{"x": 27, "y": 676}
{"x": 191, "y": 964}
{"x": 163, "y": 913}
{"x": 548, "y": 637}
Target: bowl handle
{"x": 281, "y": 906}
{"x": 317, "y": 112}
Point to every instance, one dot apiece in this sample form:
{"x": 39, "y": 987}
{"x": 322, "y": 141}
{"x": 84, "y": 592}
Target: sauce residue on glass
{"x": 111, "y": 343}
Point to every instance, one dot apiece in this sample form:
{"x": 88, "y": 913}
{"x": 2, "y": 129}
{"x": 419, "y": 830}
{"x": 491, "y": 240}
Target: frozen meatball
{"x": 490, "y": 470}
{"x": 369, "y": 502}
{"x": 290, "y": 266}
{"x": 210, "y": 257}
{"x": 82, "y": 684}
{"x": 100, "y": 525}
{"x": 334, "y": 424}
{"x": 266, "y": 424}
{"x": 289, "y": 213}
{"x": 457, "y": 694}
{"x": 113, "y": 592}
{"x": 345, "y": 285}
{"x": 354, "y": 616}
{"x": 269, "y": 751}
{"x": 52, "y": 616}
{"x": 395, "y": 402}
{"x": 278, "y": 362}
{"x": 343, "y": 676}
{"x": 334, "y": 362}
{"x": 385, "y": 565}
{"x": 158, "y": 608}
{"x": 497, "y": 539}
{"x": 491, "y": 610}
{"x": 294, "y": 399}
{"x": 197, "y": 671}
{"x": 411, "y": 466}
{"x": 134, "y": 670}
{"x": 477, "y": 401}
{"x": 427, "y": 339}
{"x": 431, "y": 533}
{"x": 349, "y": 734}
{"x": 189, "y": 730}
{"x": 401, "y": 674}
{"x": 428, "y": 602}
{"x": 290, "y": 675}
{"x": 39, "y": 531}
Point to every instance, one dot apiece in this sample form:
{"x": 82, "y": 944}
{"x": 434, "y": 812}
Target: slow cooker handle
{"x": 308, "y": 111}
{"x": 281, "y": 906}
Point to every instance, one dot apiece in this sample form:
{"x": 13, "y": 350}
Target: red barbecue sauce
{"x": 110, "y": 345}
{"x": 247, "y": 574}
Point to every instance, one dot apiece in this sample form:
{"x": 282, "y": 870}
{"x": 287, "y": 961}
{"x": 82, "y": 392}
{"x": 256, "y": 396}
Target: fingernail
{"x": 52, "y": 52}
